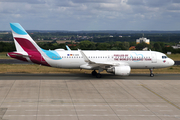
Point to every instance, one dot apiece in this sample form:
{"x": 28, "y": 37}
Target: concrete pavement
{"x": 81, "y": 97}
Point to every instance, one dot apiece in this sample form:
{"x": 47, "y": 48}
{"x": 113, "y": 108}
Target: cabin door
{"x": 153, "y": 58}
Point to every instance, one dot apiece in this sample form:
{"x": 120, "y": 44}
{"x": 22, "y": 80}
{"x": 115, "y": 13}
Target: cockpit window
{"x": 164, "y": 57}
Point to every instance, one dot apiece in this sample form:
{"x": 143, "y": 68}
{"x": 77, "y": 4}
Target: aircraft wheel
{"x": 151, "y": 75}
{"x": 98, "y": 75}
{"x": 94, "y": 73}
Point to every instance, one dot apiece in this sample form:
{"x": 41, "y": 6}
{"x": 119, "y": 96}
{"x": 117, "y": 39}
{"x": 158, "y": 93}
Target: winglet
{"x": 68, "y": 48}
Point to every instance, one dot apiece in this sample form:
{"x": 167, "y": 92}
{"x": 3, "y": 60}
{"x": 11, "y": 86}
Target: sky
{"x": 76, "y": 15}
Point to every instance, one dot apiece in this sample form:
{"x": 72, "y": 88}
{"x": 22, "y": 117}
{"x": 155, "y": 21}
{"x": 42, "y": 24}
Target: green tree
{"x": 142, "y": 45}
{"x": 103, "y": 46}
{"x": 119, "y": 45}
{"x": 132, "y": 44}
{"x": 87, "y": 45}
{"x": 114, "y": 48}
{"x": 168, "y": 49}
{"x": 157, "y": 47}
{"x": 125, "y": 45}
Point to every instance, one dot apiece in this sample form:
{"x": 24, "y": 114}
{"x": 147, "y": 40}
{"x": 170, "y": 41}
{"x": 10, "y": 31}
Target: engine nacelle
{"x": 120, "y": 70}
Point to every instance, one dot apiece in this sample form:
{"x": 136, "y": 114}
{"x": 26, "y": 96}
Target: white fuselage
{"x": 117, "y": 62}
{"x": 135, "y": 59}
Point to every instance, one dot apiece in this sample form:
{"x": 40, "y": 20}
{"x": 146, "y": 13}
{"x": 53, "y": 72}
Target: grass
{"x": 3, "y": 55}
{"x": 175, "y": 57}
{"x": 169, "y": 70}
{"x": 18, "y": 68}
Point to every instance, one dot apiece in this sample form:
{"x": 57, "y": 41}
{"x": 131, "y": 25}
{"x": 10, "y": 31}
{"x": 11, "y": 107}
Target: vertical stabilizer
{"x": 22, "y": 40}
{"x": 26, "y": 47}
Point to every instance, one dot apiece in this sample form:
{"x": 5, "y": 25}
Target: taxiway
{"x": 83, "y": 97}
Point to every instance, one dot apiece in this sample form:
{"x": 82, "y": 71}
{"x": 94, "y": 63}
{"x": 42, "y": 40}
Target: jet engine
{"x": 120, "y": 70}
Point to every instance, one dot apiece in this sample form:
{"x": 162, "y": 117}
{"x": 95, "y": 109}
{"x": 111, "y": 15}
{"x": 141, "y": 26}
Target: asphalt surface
{"x": 83, "y": 97}
{"x": 14, "y": 61}
{"x": 84, "y": 76}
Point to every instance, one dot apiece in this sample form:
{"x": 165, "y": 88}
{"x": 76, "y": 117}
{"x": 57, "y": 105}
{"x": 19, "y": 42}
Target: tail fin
{"x": 26, "y": 47}
{"x": 22, "y": 40}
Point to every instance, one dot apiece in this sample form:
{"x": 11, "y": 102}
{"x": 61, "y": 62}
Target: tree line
{"x": 98, "y": 37}
{"x": 89, "y": 45}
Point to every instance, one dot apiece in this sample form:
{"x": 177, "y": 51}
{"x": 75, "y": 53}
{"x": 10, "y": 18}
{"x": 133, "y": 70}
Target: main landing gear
{"x": 151, "y": 73}
{"x": 94, "y": 73}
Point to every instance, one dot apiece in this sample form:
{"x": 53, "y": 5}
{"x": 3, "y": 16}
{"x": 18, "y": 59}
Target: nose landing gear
{"x": 151, "y": 73}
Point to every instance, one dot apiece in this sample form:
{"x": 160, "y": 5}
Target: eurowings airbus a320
{"x": 116, "y": 62}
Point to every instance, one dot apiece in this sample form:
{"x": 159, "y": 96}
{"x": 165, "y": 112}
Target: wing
{"x": 93, "y": 64}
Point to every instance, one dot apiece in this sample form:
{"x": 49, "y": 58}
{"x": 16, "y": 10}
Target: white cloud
{"x": 24, "y": 1}
{"x": 91, "y": 14}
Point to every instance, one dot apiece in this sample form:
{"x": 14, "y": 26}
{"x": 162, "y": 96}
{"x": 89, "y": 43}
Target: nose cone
{"x": 171, "y": 62}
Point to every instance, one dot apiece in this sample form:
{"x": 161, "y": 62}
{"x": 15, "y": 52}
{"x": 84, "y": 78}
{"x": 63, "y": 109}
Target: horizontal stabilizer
{"x": 21, "y": 55}
{"x": 17, "y": 54}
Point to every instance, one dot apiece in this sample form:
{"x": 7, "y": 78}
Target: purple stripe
{"x": 35, "y": 55}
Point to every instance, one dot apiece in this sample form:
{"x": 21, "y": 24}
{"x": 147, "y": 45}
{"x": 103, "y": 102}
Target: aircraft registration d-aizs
{"x": 118, "y": 62}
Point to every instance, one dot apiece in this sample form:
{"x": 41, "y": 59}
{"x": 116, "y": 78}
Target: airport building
{"x": 177, "y": 46}
{"x": 143, "y": 39}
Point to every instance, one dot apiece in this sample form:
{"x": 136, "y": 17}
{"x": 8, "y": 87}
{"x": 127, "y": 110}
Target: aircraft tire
{"x": 98, "y": 75}
{"x": 94, "y": 73}
{"x": 151, "y": 75}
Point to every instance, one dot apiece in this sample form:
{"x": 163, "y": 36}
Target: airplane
{"x": 119, "y": 62}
